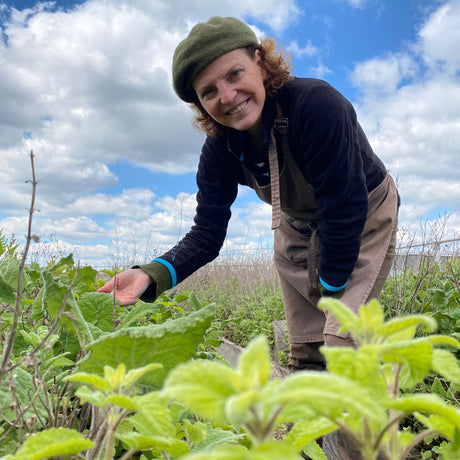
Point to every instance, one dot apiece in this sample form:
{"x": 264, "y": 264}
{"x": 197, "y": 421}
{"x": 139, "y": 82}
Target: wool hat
{"x": 205, "y": 43}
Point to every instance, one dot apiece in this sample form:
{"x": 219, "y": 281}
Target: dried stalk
{"x": 17, "y": 309}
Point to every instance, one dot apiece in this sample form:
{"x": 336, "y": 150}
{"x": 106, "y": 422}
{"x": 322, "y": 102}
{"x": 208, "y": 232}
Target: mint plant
{"x": 362, "y": 393}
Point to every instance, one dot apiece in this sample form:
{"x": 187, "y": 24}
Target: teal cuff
{"x": 172, "y": 272}
{"x": 332, "y": 288}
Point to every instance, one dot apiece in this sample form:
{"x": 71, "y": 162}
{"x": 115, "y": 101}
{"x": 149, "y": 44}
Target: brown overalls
{"x": 296, "y": 249}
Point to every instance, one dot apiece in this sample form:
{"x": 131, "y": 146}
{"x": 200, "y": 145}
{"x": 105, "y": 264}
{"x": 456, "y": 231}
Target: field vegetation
{"x": 83, "y": 378}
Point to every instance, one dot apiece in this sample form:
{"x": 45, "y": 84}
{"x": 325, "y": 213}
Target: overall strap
{"x": 280, "y": 125}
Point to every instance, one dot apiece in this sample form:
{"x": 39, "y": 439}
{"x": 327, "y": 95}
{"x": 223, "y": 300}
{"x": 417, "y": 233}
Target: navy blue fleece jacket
{"x": 332, "y": 152}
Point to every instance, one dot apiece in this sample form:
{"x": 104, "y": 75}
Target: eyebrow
{"x": 211, "y": 84}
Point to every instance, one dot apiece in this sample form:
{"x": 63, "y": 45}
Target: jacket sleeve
{"x": 329, "y": 138}
{"x": 217, "y": 190}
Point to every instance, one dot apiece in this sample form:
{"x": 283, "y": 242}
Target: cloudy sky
{"x": 87, "y": 86}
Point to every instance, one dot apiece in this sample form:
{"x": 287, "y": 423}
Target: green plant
{"x": 362, "y": 394}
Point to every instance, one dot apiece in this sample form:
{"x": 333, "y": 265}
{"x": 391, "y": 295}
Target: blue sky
{"x": 87, "y": 86}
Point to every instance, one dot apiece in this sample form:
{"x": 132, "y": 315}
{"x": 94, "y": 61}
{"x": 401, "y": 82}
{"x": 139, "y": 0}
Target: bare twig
{"x": 17, "y": 309}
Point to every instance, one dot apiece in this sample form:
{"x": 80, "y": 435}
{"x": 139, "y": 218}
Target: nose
{"x": 227, "y": 94}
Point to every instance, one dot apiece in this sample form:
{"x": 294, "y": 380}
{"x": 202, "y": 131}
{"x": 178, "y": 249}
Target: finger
{"x": 108, "y": 287}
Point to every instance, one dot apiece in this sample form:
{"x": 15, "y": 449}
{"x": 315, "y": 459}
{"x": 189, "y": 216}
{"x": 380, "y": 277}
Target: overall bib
{"x": 295, "y": 221}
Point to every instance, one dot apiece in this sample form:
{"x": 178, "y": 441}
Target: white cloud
{"x": 410, "y": 109}
{"x": 308, "y": 50}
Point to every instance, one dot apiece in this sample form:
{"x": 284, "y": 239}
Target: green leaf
{"x": 24, "y": 389}
{"x": 139, "y": 310}
{"x": 214, "y": 437}
{"x": 169, "y": 344}
{"x": 91, "y": 396}
{"x": 329, "y": 395}
{"x": 137, "y": 441}
{"x": 7, "y": 293}
{"x": 370, "y": 318}
{"x": 52, "y": 443}
{"x": 272, "y": 450}
{"x": 344, "y": 315}
{"x": 438, "y": 424}
{"x": 153, "y": 415}
{"x": 115, "y": 377}
{"x": 124, "y": 401}
{"x": 136, "y": 374}
{"x": 97, "y": 308}
{"x": 254, "y": 365}
{"x": 428, "y": 404}
{"x": 446, "y": 364}
{"x": 94, "y": 380}
{"x": 237, "y": 406}
{"x": 57, "y": 361}
{"x": 410, "y": 323}
{"x": 223, "y": 453}
{"x": 305, "y": 432}
{"x": 415, "y": 357}
{"x": 203, "y": 386}
{"x": 9, "y": 268}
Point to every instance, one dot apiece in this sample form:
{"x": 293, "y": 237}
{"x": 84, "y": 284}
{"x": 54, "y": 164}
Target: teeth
{"x": 237, "y": 108}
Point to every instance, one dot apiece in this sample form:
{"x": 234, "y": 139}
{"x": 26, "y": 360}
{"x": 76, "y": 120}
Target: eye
{"x": 236, "y": 74}
{"x": 207, "y": 93}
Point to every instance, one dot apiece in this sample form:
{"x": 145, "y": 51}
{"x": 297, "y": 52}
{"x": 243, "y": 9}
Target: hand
{"x": 130, "y": 285}
{"x": 326, "y": 293}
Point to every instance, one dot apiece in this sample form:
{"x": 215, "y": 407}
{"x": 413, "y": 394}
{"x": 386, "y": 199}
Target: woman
{"x": 298, "y": 143}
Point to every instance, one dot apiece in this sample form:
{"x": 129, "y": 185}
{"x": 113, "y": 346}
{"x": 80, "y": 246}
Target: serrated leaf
{"x": 57, "y": 361}
{"x": 304, "y": 432}
{"x": 136, "y": 374}
{"x": 203, "y": 386}
{"x": 115, "y": 377}
{"x": 95, "y": 381}
{"x": 344, "y": 315}
{"x": 214, "y": 438}
{"x": 237, "y": 406}
{"x": 24, "y": 389}
{"x": 7, "y": 292}
{"x": 446, "y": 364}
{"x": 52, "y": 443}
{"x": 254, "y": 364}
{"x": 124, "y": 401}
{"x": 410, "y": 323}
{"x": 415, "y": 357}
{"x": 137, "y": 441}
{"x": 153, "y": 415}
{"x": 137, "y": 311}
{"x": 370, "y": 317}
{"x": 97, "y": 308}
{"x": 95, "y": 397}
{"x": 169, "y": 344}
{"x": 428, "y": 404}
{"x": 329, "y": 395}
{"x": 9, "y": 269}
{"x": 438, "y": 424}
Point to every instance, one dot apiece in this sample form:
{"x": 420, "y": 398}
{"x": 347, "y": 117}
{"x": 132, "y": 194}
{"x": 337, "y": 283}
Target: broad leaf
{"x": 203, "y": 386}
{"x": 52, "y": 443}
{"x": 168, "y": 344}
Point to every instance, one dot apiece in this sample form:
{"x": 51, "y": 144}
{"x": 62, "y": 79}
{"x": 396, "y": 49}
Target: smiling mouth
{"x": 238, "y": 108}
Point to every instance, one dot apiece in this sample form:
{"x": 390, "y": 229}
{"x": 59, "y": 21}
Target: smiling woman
{"x": 298, "y": 144}
{"x": 231, "y": 90}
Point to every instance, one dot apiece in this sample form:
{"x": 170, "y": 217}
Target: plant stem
{"x": 17, "y": 308}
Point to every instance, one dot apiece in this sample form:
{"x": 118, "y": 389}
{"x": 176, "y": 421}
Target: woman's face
{"x": 231, "y": 90}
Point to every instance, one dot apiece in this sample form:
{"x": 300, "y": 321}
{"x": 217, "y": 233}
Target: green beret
{"x": 205, "y": 43}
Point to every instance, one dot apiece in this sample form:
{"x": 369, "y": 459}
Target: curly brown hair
{"x": 277, "y": 65}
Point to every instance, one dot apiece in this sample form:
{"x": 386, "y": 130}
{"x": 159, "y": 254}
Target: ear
{"x": 260, "y": 62}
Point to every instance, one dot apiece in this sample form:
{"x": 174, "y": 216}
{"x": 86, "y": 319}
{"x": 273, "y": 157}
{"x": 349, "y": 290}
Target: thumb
{"x": 108, "y": 287}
